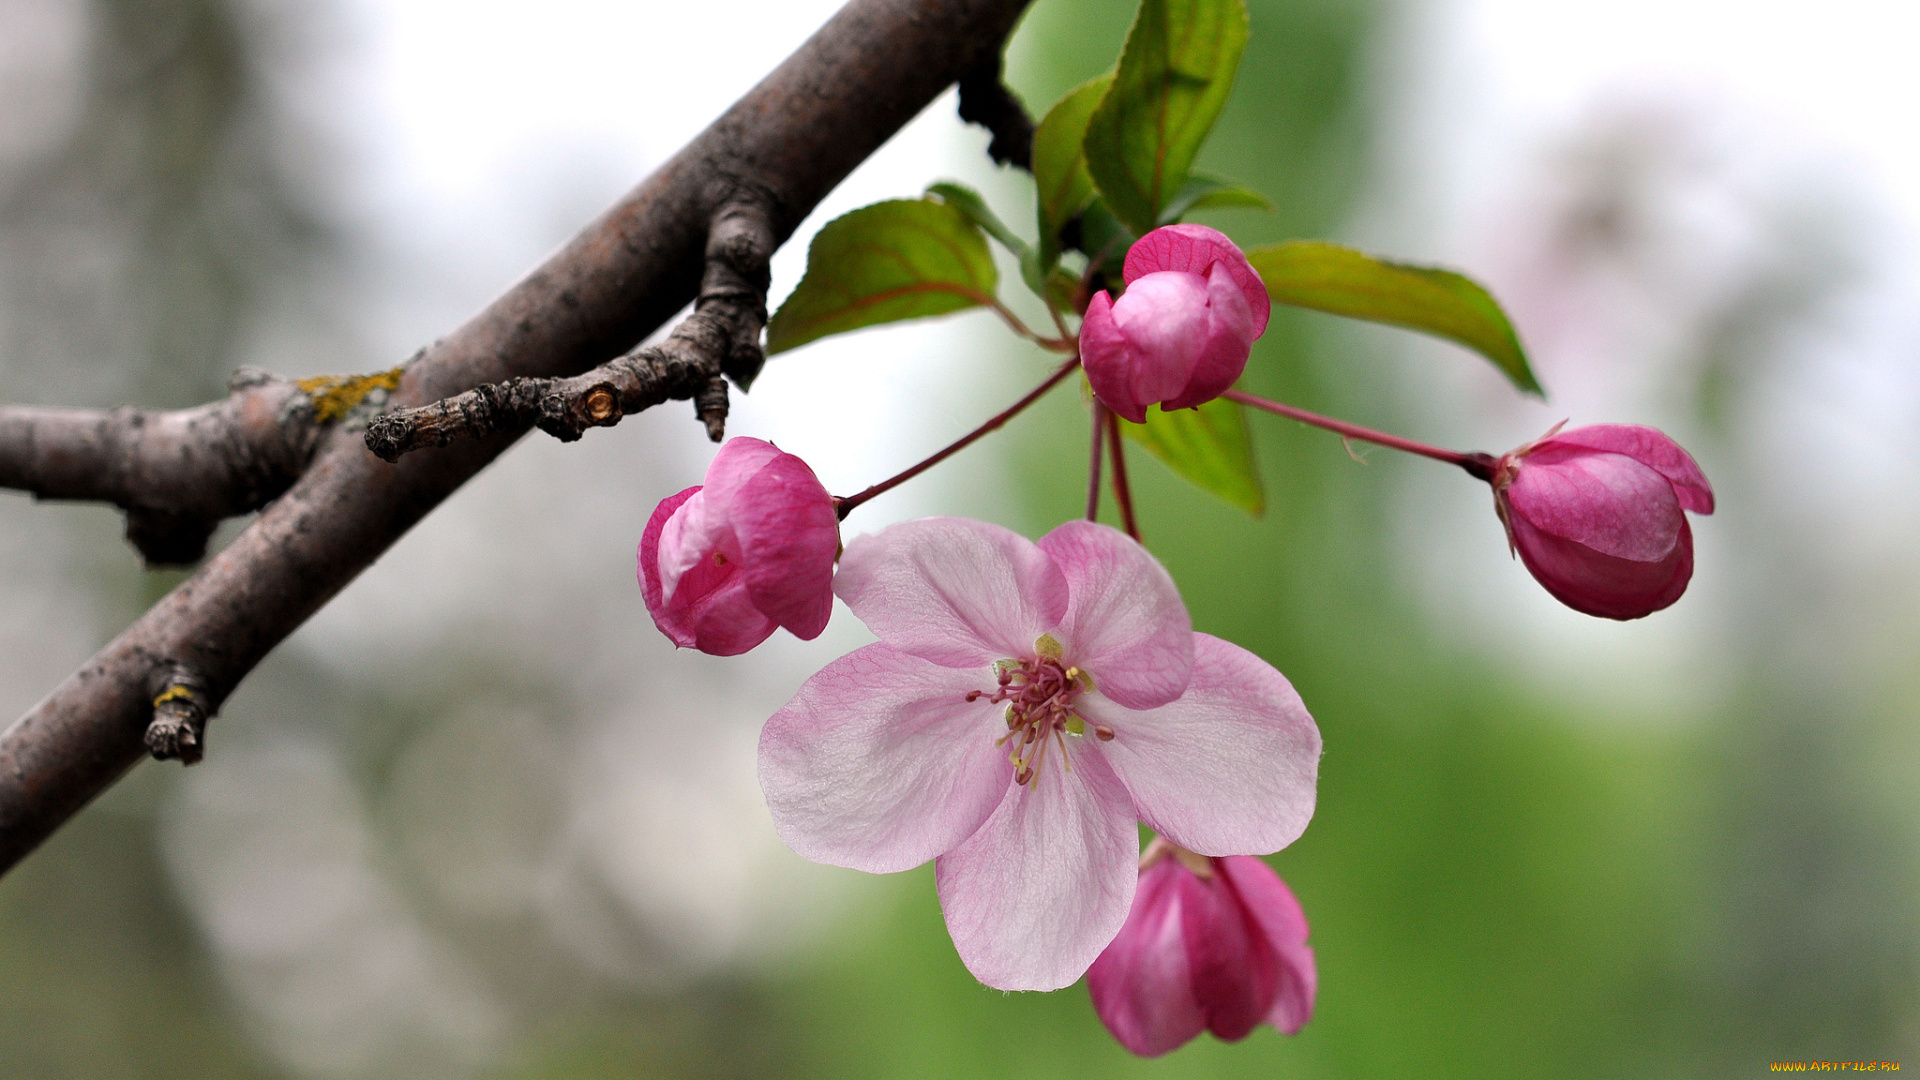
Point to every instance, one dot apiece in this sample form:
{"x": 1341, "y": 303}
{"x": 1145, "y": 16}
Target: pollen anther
{"x": 1039, "y": 693}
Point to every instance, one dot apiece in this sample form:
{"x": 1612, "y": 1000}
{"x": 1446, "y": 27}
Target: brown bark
{"x": 177, "y": 474}
{"x": 782, "y": 147}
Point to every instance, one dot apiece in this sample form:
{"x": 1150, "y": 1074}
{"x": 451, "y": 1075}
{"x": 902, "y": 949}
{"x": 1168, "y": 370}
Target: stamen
{"x": 1039, "y": 693}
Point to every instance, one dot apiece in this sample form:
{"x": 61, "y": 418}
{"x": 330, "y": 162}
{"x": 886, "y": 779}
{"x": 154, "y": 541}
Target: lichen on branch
{"x": 178, "y": 473}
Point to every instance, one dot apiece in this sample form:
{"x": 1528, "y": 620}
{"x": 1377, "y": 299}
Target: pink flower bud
{"x": 1216, "y": 944}
{"x": 1596, "y": 514}
{"x": 753, "y": 548}
{"x": 1181, "y": 333}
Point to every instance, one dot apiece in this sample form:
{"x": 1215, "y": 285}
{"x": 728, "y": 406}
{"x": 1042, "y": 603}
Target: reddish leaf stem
{"x": 1477, "y": 464}
{"x": 847, "y": 505}
{"x": 1065, "y": 343}
{"x": 1093, "y": 460}
{"x": 1122, "y": 492}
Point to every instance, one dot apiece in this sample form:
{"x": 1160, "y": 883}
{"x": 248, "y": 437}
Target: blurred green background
{"x": 1504, "y": 879}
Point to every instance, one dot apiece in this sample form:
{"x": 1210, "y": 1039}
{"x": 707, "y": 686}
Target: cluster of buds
{"x": 1028, "y": 705}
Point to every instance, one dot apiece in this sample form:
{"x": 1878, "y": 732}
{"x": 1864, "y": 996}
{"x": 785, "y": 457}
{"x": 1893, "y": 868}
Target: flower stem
{"x": 1093, "y": 460}
{"x": 847, "y": 505}
{"x": 1122, "y": 492}
{"x": 1065, "y": 343}
{"x": 1476, "y": 464}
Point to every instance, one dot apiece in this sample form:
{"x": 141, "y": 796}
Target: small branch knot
{"x": 181, "y": 709}
{"x": 710, "y": 405}
{"x": 720, "y": 340}
{"x": 603, "y": 406}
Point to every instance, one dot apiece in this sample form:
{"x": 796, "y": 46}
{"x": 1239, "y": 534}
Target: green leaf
{"x": 895, "y": 260}
{"x": 1328, "y": 277}
{"x": 1059, "y": 166}
{"x": 1103, "y": 237}
{"x": 1209, "y": 446}
{"x": 1034, "y": 270}
{"x": 1063, "y": 289}
{"x": 1174, "y": 77}
{"x": 969, "y": 202}
{"x": 1202, "y": 192}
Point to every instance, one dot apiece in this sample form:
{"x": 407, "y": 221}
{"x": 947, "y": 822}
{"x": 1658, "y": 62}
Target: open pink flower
{"x": 1596, "y": 514}
{"x": 724, "y": 563}
{"x": 1181, "y": 333}
{"x": 1025, "y": 706}
{"x": 1217, "y": 944}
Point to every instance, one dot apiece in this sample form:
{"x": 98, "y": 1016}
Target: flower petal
{"x": 1604, "y": 501}
{"x": 1195, "y": 249}
{"x": 958, "y": 592}
{"x": 697, "y": 570}
{"x": 689, "y": 538}
{"x": 1142, "y": 985}
{"x": 1125, "y": 621}
{"x": 788, "y": 534}
{"x": 1650, "y": 447}
{"x": 1233, "y": 976}
{"x": 1227, "y": 769}
{"x": 1283, "y": 926}
{"x": 1228, "y": 343}
{"x": 713, "y": 604}
{"x": 1034, "y": 896}
{"x": 1105, "y": 358}
{"x": 1165, "y": 319}
{"x": 1599, "y": 584}
{"x": 880, "y": 763}
{"x": 648, "y": 568}
{"x": 738, "y": 461}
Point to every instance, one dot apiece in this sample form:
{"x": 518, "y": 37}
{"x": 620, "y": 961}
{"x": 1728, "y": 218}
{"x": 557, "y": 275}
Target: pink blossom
{"x": 1025, "y": 706}
{"x": 1219, "y": 944}
{"x": 1181, "y": 333}
{"x": 724, "y": 563}
{"x": 1596, "y": 514}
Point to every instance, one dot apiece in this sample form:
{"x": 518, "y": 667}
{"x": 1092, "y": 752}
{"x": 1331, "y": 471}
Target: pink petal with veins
{"x": 1229, "y": 768}
{"x": 1195, "y": 249}
{"x": 1142, "y": 984}
{"x": 1125, "y": 620}
{"x": 1223, "y": 352}
{"x": 1282, "y": 927}
{"x": 1045, "y": 884}
{"x": 880, "y": 763}
{"x": 1650, "y": 447}
{"x": 958, "y": 592}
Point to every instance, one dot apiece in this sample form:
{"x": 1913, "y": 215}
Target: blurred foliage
{"x": 100, "y": 974}
{"x": 161, "y": 223}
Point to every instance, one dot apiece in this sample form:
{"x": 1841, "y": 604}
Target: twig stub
{"x": 181, "y": 709}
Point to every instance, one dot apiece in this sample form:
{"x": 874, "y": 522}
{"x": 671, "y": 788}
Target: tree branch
{"x": 784, "y": 145}
{"x": 178, "y": 474}
{"x": 721, "y": 338}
